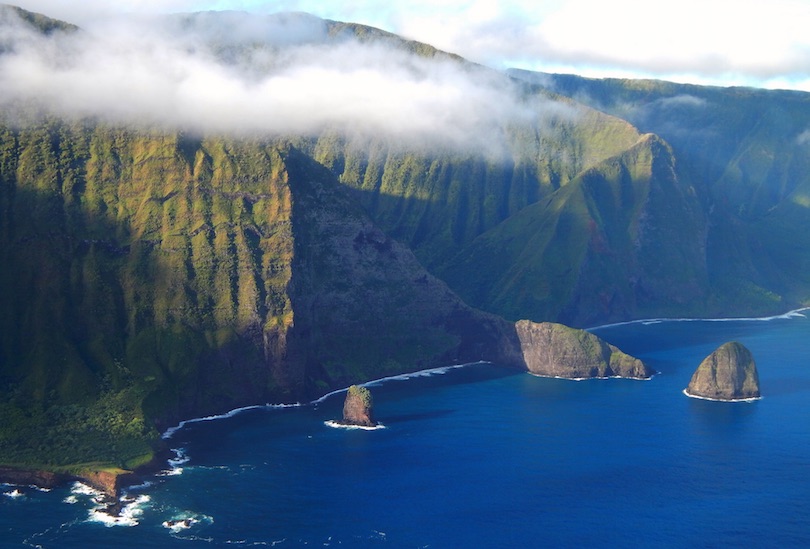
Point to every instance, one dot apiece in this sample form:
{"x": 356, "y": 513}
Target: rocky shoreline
{"x": 111, "y": 482}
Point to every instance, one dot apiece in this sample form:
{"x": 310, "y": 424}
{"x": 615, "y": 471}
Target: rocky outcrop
{"x": 109, "y": 481}
{"x": 357, "y": 409}
{"x": 555, "y": 350}
{"x": 30, "y": 477}
{"x": 729, "y": 373}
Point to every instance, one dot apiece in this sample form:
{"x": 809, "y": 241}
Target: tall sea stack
{"x": 729, "y": 373}
{"x": 357, "y": 409}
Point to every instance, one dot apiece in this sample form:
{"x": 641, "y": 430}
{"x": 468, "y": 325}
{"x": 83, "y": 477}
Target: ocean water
{"x": 480, "y": 456}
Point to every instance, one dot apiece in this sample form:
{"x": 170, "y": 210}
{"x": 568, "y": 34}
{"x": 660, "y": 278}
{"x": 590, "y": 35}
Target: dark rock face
{"x": 357, "y": 409}
{"x": 555, "y": 350}
{"x": 729, "y": 373}
{"x": 25, "y": 477}
{"x": 109, "y": 482}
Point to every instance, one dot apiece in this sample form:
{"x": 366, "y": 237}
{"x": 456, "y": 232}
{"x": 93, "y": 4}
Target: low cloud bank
{"x": 274, "y": 75}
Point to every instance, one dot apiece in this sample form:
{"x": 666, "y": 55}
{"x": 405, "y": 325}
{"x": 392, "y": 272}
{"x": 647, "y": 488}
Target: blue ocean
{"x": 481, "y": 456}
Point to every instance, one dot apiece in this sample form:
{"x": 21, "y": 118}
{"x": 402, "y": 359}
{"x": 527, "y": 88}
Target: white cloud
{"x": 726, "y": 42}
{"x": 188, "y": 73}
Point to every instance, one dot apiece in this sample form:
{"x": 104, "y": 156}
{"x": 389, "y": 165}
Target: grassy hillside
{"x": 746, "y": 151}
{"x": 590, "y": 252}
{"x": 437, "y": 203}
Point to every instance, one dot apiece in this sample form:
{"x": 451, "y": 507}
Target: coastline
{"x": 698, "y": 397}
{"x": 603, "y": 378}
{"x": 168, "y": 433}
{"x": 111, "y": 482}
{"x": 784, "y": 316}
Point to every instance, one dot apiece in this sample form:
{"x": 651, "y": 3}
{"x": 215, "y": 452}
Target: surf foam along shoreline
{"x": 374, "y": 382}
{"x": 399, "y": 377}
{"x": 338, "y": 425}
{"x": 129, "y": 514}
{"x": 168, "y": 433}
{"x": 602, "y": 378}
{"x": 752, "y": 399}
{"x": 795, "y": 313}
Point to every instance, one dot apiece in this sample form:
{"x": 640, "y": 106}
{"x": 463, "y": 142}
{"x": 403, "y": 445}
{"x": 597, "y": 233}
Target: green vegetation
{"x": 744, "y": 151}
{"x": 151, "y": 276}
{"x": 160, "y": 276}
{"x": 356, "y": 391}
{"x": 143, "y": 263}
{"x": 42, "y": 23}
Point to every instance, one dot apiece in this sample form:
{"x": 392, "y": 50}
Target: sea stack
{"x": 555, "y": 350}
{"x": 357, "y": 409}
{"x": 729, "y": 374}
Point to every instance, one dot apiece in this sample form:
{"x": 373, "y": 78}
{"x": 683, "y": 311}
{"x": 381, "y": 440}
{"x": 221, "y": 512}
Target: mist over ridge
{"x": 243, "y": 74}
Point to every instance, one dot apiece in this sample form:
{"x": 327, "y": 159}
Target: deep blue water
{"x": 485, "y": 457}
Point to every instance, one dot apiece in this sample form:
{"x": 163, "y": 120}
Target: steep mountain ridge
{"x": 747, "y": 153}
{"x": 161, "y": 276}
{"x": 437, "y": 203}
{"x": 158, "y": 274}
{"x": 589, "y": 252}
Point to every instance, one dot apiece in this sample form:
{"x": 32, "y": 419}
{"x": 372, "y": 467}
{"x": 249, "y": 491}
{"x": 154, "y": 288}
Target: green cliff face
{"x": 150, "y": 276}
{"x": 590, "y": 252}
{"x": 160, "y": 276}
{"x": 745, "y": 151}
{"x": 436, "y": 203}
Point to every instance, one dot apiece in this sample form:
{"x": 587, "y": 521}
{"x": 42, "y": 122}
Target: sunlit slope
{"x": 144, "y": 269}
{"x": 747, "y": 152}
{"x": 152, "y": 277}
{"x": 438, "y": 201}
{"x": 592, "y": 250}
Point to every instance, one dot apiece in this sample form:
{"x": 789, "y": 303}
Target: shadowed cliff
{"x": 155, "y": 277}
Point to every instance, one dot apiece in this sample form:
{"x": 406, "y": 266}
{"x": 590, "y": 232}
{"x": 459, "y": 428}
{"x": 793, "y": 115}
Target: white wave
{"x": 131, "y": 509}
{"x": 400, "y": 377}
{"x": 142, "y": 486}
{"x": 185, "y": 520}
{"x": 172, "y": 430}
{"x": 14, "y": 494}
{"x": 175, "y": 464}
{"x": 590, "y": 378}
{"x": 129, "y": 516}
{"x": 338, "y": 425}
{"x": 180, "y": 457}
{"x": 176, "y": 471}
{"x": 178, "y": 525}
{"x": 690, "y": 395}
{"x": 797, "y": 313}
{"x": 81, "y": 489}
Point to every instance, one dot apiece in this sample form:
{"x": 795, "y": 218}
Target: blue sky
{"x": 722, "y": 42}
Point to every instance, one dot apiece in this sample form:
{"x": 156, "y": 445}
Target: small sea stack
{"x": 728, "y": 374}
{"x": 357, "y": 409}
